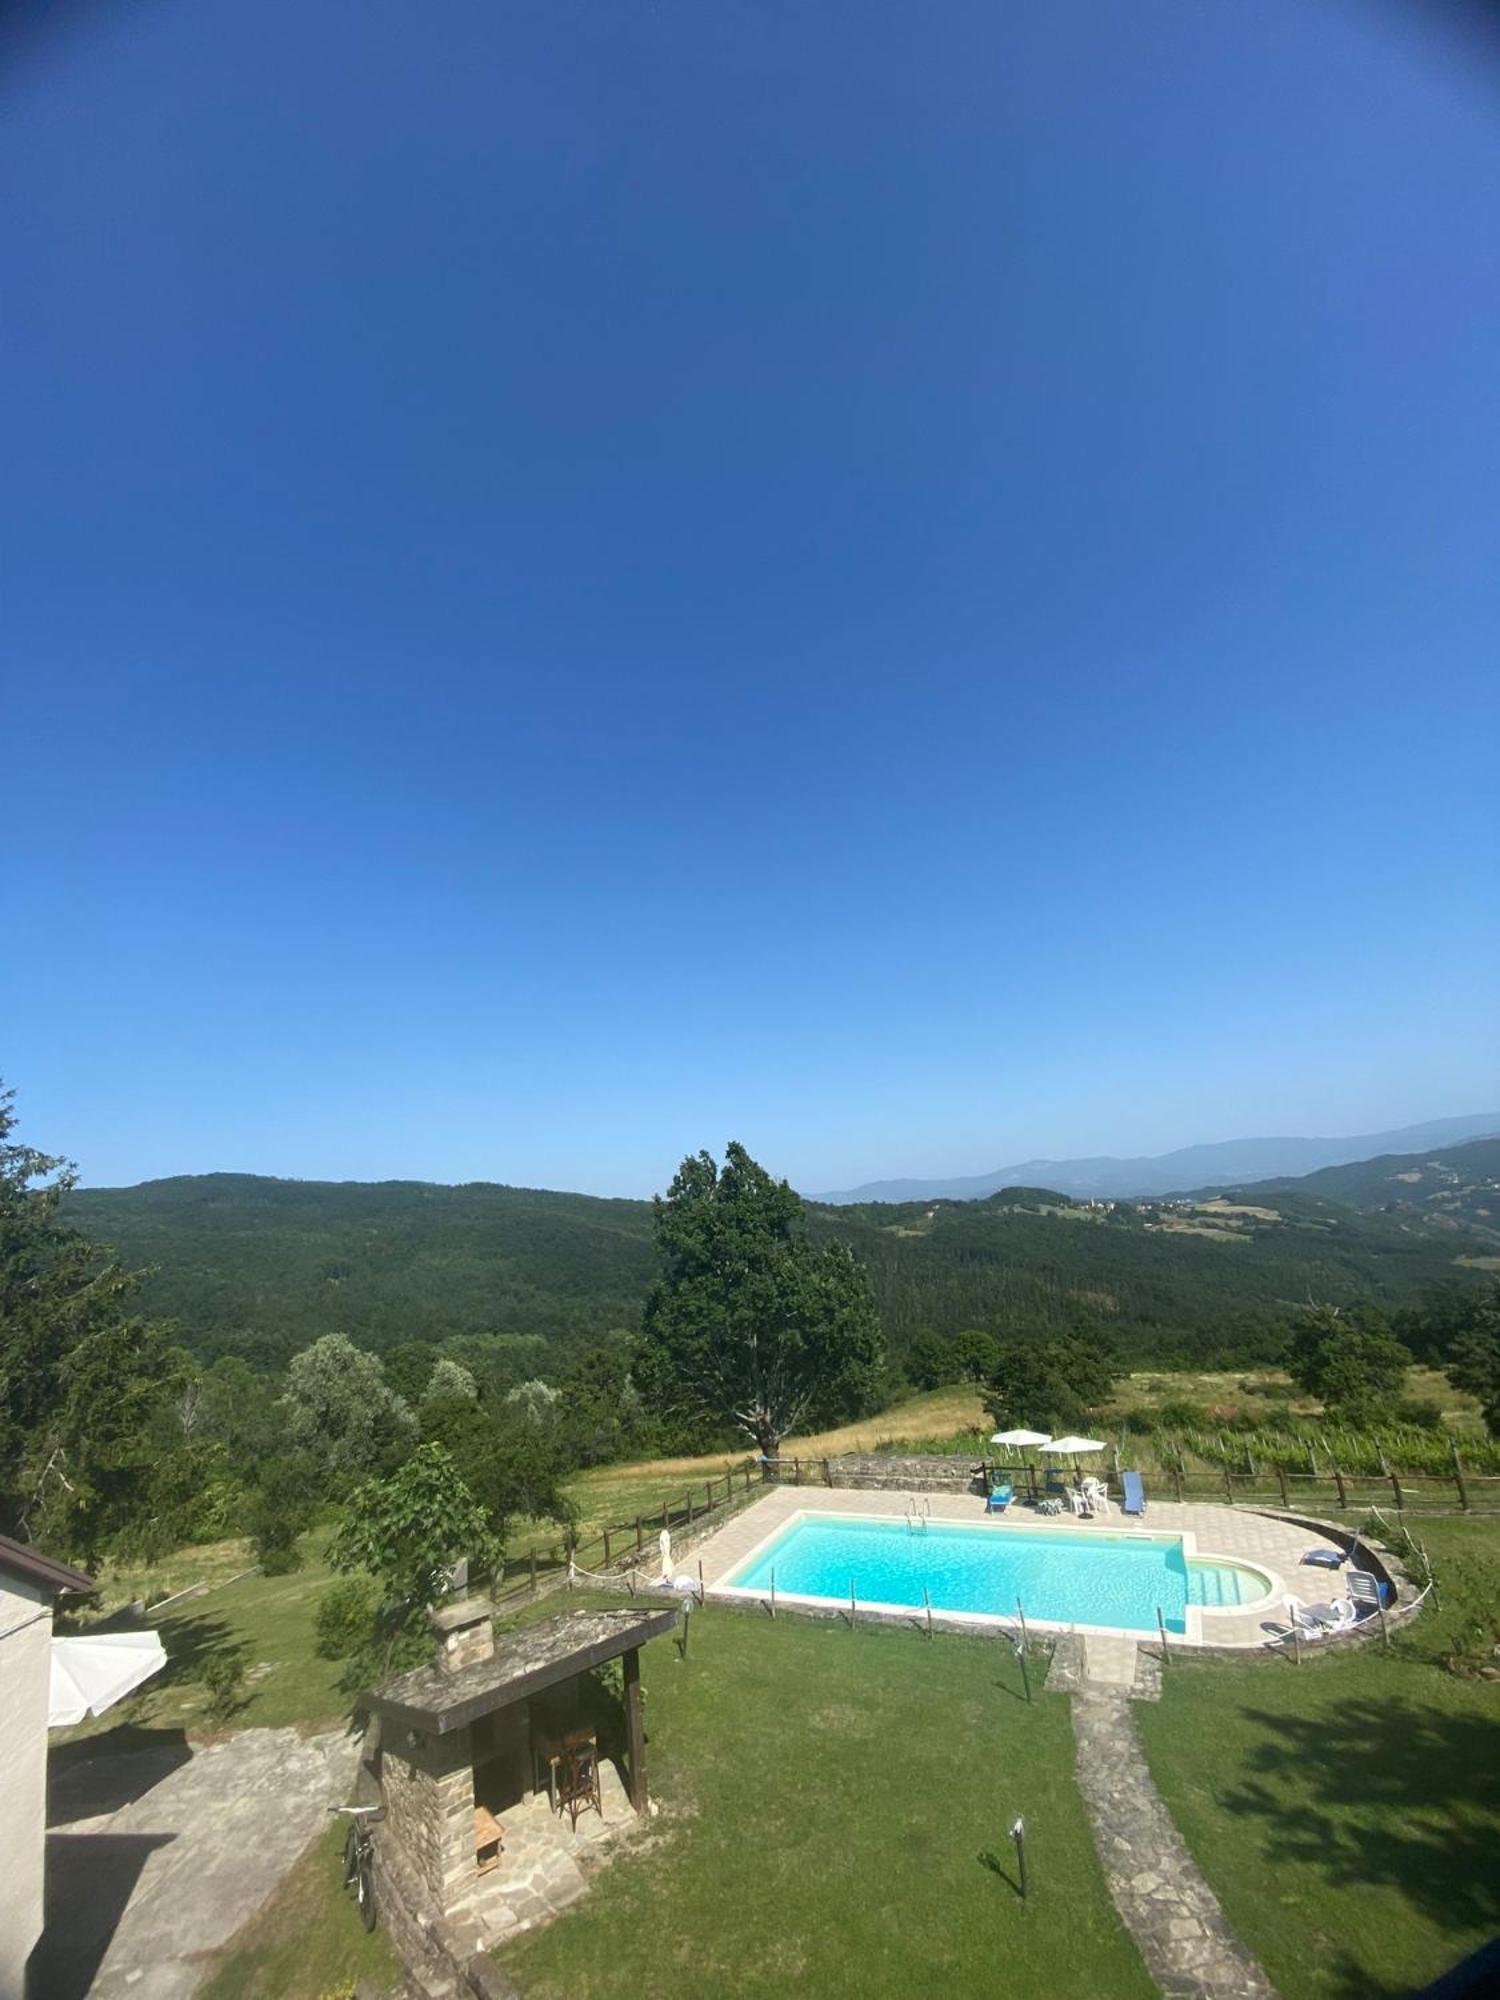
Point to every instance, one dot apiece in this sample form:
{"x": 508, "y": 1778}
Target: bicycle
{"x": 359, "y": 1857}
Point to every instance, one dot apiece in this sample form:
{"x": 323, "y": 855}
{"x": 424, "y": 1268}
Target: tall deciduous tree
{"x": 1348, "y": 1358}
{"x": 750, "y": 1324}
{"x": 342, "y": 1411}
{"x": 1475, "y": 1361}
{"x": 408, "y": 1531}
{"x": 1050, "y": 1382}
{"x": 82, "y": 1378}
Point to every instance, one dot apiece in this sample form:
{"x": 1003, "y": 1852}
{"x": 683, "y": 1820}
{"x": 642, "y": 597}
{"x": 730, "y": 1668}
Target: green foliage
{"x": 929, "y": 1362}
{"x": 407, "y": 1532}
{"x": 512, "y": 1460}
{"x": 603, "y": 1415}
{"x": 281, "y": 1510}
{"x": 975, "y": 1355}
{"x": 222, "y": 1677}
{"x": 1049, "y": 1384}
{"x": 345, "y": 1619}
{"x": 342, "y": 1412}
{"x": 1349, "y": 1359}
{"x": 84, "y": 1382}
{"x": 514, "y": 1283}
{"x": 1475, "y": 1364}
{"x": 450, "y": 1380}
{"x": 751, "y": 1325}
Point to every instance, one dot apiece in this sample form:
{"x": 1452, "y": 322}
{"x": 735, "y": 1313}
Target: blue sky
{"x": 913, "y": 586}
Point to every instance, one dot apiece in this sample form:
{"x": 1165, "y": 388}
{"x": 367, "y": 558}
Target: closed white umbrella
{"x": 91, "y": 1675}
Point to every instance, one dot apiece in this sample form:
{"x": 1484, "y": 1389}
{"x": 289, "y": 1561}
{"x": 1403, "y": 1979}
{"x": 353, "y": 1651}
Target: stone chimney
{"x": 465, "y": 1634}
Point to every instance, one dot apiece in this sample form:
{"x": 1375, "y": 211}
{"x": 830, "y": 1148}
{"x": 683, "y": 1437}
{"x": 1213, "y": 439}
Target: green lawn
{"x": 266, "y": 1620}
{"x": 1347, "y": 1812}
{"x": 834, "y": 1820}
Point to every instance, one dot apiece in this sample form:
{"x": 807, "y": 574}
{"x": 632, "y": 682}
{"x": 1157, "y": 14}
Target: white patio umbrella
{"x": 1075, "y": 1447}
{"x": 1021, "y": 1437}
{"x": 90, "y": 1675}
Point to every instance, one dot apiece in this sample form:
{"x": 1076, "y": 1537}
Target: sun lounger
{"x": 1134, "y": 1494}
{"x": 1000, "y": 1498}
{"x": 1365, "y": 1591}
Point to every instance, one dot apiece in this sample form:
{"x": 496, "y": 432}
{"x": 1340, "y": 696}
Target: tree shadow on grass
{"x": 1388, "y": 1793}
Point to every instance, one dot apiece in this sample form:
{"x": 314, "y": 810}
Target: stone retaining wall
{"x": 877, "y": 1471}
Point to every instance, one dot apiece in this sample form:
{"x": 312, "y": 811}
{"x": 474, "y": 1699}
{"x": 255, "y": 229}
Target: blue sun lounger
{"x": 1133, "y": 1499}
{"x": 1000, "y": 1497}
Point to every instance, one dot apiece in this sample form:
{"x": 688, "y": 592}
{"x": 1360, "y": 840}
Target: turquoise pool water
{"x": 1088, "y": 1577}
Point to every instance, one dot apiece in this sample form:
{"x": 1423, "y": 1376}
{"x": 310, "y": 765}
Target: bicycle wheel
{"x": 365, "y": 1887}
{"x": 351, "y": 1857}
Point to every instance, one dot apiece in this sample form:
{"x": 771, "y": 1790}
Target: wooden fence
{"x": 637, "y": 1538}
{"x": 1322, "y": 1492}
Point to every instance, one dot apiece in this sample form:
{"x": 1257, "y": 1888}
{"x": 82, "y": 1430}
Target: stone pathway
{"x": 1173, "y": 1915}
{"x": 156, "y": 1857}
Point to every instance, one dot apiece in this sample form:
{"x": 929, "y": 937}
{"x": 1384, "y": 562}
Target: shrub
{"x": 1181, "y": 1415}
{"x": 345, "y": 1618}
{"x": 223, "y": 1680}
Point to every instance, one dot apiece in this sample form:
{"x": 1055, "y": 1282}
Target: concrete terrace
{"x": 1238, "y": 1534}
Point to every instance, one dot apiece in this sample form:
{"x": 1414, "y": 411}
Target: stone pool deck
{"x": 1237, "y": 1533}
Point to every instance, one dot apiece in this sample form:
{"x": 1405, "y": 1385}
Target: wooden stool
{"x": 489, "y": 1838}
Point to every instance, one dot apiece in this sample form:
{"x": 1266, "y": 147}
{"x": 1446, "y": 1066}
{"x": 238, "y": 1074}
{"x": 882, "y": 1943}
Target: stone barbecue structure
{"x": 463, "y": 1757}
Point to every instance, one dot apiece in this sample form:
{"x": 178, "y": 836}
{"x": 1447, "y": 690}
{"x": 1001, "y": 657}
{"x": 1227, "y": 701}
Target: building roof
{"x": 20, "y": 1559}
{"x": 525, "y": 1662}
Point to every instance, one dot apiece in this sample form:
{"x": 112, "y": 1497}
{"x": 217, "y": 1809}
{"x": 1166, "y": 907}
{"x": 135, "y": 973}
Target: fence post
{"x": 1281, "y": 1482}
{"x": 1338, "y": 1480}
{"x": 1228, "y": 1484}
{"x": 640, "y": 1538}
{"x": 827, "y": 1473}
{"x": 606, "y": 1548}
{"x": 687, "y": 1501}
{"x": 1458, "y": 1474}
{"x": 1177, "y": 1480}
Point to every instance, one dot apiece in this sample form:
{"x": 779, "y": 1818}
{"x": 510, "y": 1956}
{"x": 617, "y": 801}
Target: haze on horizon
{"x": 916, "y": 593}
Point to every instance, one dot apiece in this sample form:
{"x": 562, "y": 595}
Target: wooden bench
{"x": 489, "y": 1838}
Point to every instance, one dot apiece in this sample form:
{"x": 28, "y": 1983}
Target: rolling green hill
{"x": 1454, "y": 1184}
{"x": 263, "y": 1266}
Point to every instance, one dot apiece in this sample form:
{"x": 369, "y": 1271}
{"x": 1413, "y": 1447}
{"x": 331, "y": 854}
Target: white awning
{"x": 90, "y": 1675}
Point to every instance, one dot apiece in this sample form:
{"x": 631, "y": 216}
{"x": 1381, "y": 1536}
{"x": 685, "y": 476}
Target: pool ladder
{"x": 918, "y": 1513}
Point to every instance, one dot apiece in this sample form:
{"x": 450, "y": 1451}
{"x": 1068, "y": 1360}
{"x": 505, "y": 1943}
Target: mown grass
{"x": 264, "y": 1621}
{"x": 834, "y": 1816}
{"x": 1347, "y": 1812}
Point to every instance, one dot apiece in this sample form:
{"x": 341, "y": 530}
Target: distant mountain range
{"x": 1226, "y": 1163}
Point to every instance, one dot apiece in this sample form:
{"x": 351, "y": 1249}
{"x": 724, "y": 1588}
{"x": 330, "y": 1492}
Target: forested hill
{"x": 1457, "y": 1184}
{"x": 262, "y": 1266}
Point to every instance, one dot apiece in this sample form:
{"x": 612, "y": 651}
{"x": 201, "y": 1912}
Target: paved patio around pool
{"x": 1237, "y": 1533}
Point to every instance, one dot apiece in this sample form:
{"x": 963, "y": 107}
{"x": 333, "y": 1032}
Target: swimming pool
{"x": 1091, "y": 1578}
